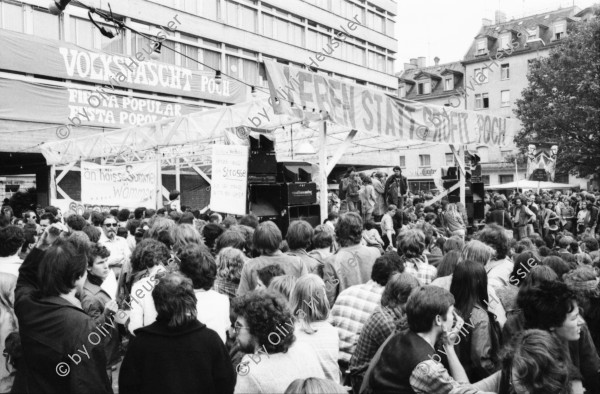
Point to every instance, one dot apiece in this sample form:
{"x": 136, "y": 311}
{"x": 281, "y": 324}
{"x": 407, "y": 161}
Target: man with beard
{"x": 119, "y": 253}
{"x": 265, "y": 332}
{"x": 396, "y": 188}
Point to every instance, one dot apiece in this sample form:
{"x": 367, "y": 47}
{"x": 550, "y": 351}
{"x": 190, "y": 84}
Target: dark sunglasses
{"x": 111, "y": 224}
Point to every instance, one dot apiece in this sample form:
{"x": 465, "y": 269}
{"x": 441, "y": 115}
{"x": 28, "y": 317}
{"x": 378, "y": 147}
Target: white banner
{"x": 376, "y": 112}
{"x": 229, "y": 179}
{"x": 128, "y": 186}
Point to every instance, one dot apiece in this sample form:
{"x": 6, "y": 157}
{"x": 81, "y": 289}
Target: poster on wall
{"x": 128, "y": 186}
{"x": 229, "y": 179}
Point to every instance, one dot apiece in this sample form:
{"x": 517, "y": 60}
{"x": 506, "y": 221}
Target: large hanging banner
{"x": 35, "y": 55}
{"x": 229, "y": 179}
{"x": 36, "y": 102}
{"x": 128, "y": 186}
{"x": 374, "y": 111}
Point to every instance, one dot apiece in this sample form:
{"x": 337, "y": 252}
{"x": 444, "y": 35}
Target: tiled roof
{"x": 520, "y": 26}
{"x": 437, "y": 83}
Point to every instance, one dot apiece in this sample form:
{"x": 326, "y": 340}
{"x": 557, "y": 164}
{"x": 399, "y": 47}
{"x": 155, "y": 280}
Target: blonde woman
{"x": 310, "y": 306}
{"x": 454, "y": 221}
{"x": 8, "y": 320}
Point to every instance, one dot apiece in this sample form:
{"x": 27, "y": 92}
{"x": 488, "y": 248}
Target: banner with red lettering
{"x": 374, "y": 111}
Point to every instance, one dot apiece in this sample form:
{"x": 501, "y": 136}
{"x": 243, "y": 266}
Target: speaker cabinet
{"x": 309, "y": 213}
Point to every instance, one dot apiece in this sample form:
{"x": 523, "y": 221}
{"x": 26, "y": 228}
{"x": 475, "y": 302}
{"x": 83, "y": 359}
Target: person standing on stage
{"x": 396, "y": 188}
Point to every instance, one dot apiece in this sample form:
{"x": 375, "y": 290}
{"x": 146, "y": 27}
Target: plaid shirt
{"x": 430, "y": 377}
{"x": 351, "y": 310}
{"x": 419, "y": 268}
{"x": 380, "y": 325}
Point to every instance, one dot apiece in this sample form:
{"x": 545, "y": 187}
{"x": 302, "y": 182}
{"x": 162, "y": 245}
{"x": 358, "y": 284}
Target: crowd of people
{"x": 174, "y": 301}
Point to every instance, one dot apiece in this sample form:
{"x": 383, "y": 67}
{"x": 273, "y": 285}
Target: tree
{"x": 562, "y": 102}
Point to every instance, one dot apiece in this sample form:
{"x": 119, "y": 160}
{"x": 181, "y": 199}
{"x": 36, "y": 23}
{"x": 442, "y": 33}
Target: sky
{"x": 446, "y": 28}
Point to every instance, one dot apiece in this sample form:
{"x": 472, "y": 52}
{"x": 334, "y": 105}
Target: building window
{"x": 482, "y": 46}
{"x": 506, "y": 178}
{"x": 82, "y": 32}
{"x": 190, "y": 52}
{"x": 505, "y": 71}
{"x": 485, "y": 179}
{"x": 240, "y": 16}
{"x": 532, "y": 34}
{"x": 212, "y": 60}
{"x": 448, "y": 83}
{"x": 504, "y": 42}
{"x": 112, "y": 45}
{"x": 402, "y": 91}
{"x": 46, "y": 25}
{"x": 209, "y": 9}
{"x": 481, "y": 75}
{"x": 559, "y": 30}
{"x": 505, "y": 153}
{"x": 425, "y": 160}
{"x": 505, "y": 98}
{"x": 449, "y": 159}
{"x": 11, "y": 17}
{"x": 425, "y": 87}
{"x": 403, "y": 161}
{"x": 482, "y": 101}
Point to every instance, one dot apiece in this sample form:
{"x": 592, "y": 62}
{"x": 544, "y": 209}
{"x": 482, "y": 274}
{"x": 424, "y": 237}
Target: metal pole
{"x": 158, "y": 181}
{"x": 517, "y": 173}
{"x": 323, "y": 194}
{"x": 463, "y": 178}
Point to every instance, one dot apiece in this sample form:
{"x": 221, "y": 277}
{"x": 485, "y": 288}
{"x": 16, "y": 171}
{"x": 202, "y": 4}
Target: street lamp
{"x": 56, "y": 7}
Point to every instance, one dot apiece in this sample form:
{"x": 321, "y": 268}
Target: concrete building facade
{"x": 232, "y": 36}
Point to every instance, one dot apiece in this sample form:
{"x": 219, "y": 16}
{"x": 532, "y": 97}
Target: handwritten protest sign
{"x": 128, "y": 186}
{"x": 376, "y": 112}
{"x": 229, "y": 179}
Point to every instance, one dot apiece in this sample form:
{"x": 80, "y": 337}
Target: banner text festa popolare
{"x": 374, "y": 111}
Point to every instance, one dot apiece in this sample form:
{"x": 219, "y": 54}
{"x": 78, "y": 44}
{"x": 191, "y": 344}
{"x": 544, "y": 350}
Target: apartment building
{"x": 438, "y": 84}
{"x": 494, "y": 75}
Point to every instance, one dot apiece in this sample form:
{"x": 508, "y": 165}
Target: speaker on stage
{"x": 262, "y": 163}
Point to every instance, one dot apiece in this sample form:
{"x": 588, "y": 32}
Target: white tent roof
{"x": 190, "y": 136}
{"x": 525, "y": 184}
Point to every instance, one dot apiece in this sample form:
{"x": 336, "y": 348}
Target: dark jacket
{"x": 500, "y": 217}
{"x": 391, "y": 189}
{"x": 56, "y": 336}
{"x": 188, "y": 359}
{"x": 400, "y": 219}
{"x": 93, "y": 300}
{"x": 399, "y": 357}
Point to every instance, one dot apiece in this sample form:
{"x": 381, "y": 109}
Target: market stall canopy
{"x": 531, "y": 185}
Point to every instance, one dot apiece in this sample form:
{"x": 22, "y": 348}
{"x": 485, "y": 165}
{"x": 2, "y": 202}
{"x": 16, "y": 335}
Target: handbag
{"x": 509, "y": 233}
